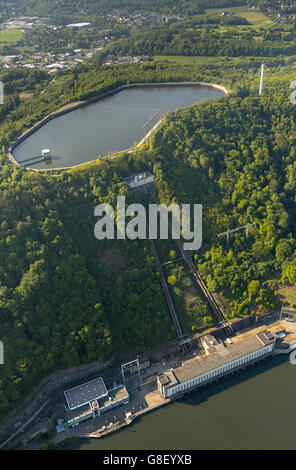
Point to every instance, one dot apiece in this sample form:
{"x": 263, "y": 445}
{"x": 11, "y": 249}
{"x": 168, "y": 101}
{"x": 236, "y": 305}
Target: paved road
{"x": 24, "y": 425}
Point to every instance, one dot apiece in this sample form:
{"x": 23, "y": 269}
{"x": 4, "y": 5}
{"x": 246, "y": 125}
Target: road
{"x": 17, "y": 420}
{"x": 13, "y": 436}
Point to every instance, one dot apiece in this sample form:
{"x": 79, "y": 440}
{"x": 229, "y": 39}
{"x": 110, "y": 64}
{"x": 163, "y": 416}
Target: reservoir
{"x": 111, "y": 124}
{"x": 254, "y": 409}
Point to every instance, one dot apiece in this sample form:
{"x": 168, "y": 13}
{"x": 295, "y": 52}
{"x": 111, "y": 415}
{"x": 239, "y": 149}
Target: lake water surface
{"x": 109, "y": 125}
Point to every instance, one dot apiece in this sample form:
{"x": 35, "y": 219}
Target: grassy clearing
{"x": 22, "y": 49}
{"x": 287, "y": 294}
{"x": 256, "y": 19}
{"x": 11, "y": 35}
{"x": 205, "y": 60}
{"x": 199, "y": 60}
{"x": 285, "y": 27}
{"x": 219, "y": 11}
{"x": 25, "y": 95}
{"x": 185, "y": 60}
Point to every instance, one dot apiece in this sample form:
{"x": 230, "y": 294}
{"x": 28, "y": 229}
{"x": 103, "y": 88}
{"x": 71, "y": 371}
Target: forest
{"x": 65, "y": 297}
{"x": 204, "y": 42}
{"x": 251, "y": 157}
{"x": 97, "y": 7}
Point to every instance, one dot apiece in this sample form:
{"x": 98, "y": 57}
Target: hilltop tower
{"x": 261, "y": 80}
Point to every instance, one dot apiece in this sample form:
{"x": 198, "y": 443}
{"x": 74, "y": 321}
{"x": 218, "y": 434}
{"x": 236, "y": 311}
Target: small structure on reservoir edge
{"x": 46, "y": 154}
{"x": 140, "y": 181}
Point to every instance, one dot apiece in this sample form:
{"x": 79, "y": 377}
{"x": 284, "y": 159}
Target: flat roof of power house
{"x": 218, "y": 358}
{"x": 83, "y": 394}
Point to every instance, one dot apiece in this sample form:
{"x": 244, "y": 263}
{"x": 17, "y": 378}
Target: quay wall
{"x": 176, "y": 397}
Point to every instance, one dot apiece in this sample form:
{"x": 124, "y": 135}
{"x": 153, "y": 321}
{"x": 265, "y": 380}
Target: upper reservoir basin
{"x": 110, "y": 124}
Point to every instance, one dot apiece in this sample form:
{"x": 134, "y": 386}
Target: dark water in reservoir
{"x": 255, "y": 409}
{"x": 109, "y": 125}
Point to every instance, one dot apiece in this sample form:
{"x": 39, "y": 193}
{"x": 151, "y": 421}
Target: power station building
{"x": 220, "y": 359}
{"x": 91, "y": 399}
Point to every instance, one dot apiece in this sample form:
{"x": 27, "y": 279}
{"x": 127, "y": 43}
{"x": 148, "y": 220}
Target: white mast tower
{"x": 261, "y": 80}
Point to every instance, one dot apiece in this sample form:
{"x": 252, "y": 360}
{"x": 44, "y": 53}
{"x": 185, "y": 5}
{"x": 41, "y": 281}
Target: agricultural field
{"x": 187, "y": 60}
{"x": 22, "y": 49}
{"x": 257, "y": 20}
{"x": 198, "y": 60}
{"x": 10, "y": 35}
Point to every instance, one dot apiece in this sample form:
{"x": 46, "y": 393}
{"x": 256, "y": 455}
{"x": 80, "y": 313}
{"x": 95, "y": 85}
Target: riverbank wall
{"x": 125, "y": 423}
{"x": 159, "y": 402}
{"x": 77, "y": 105}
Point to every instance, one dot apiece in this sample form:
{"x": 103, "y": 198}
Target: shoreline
{"x": 80, "y": 104}
{"x": 121, "y": 426}
{"x": 150, "y": 393}
{"x": 166, "y": 401}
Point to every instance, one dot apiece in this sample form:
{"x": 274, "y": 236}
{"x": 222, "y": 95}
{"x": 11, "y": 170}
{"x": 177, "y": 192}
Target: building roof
{"x": 168, "y": 379}
{"x": 138, "y": 176}
{"x": 219, "y": 357}
{"x": 78, "y": 25}
{"x": 78, "y": 414}
{"x": 115, "y": 395}
{"x": 209, "y": 343}
{"x": 265, "y": 336}
{"x": 83, "y": 394}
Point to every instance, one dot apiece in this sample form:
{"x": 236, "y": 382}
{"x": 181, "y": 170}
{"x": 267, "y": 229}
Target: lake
{"x": 111, "y": 124}
{"x": 254, "y": 409}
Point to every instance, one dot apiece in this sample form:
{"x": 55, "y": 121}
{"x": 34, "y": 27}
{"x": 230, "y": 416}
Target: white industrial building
{"x": 91, "y": 399}
{"x": 78, "y": 25}
{"x": 140, "y": 181}
{"x": 220, "y": 359}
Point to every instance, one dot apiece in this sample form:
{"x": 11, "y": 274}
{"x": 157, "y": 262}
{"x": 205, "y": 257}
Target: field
{"x": 198, "y": 60}
{"x": 185, "y": 60}
{"x": 10, "y": 35}
{"x": 256, "y": 19}
{"x": 22, "y": 49}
